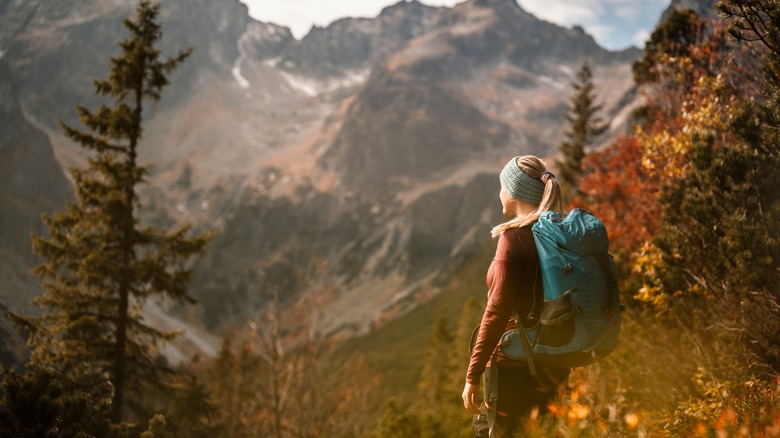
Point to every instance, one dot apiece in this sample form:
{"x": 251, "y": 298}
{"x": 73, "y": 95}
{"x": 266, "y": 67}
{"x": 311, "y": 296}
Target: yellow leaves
{"x": 652, "y": 291}
{"x": 664, "y": 153}
{"x": 703, "y": 114}
{"x": 645, "y": 262}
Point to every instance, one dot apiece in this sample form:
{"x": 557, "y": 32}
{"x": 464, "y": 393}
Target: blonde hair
{"x": 551, "y": 198}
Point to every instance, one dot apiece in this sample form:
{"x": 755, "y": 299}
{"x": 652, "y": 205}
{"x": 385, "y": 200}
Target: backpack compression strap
{"x": 529, "y": 351}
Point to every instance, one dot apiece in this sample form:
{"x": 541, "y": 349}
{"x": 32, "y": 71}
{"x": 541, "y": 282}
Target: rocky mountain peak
{"x": 375, "y": 138}
{"x": 351, "y": 44}
{"x": 343, "y": 45}
{"x": 705, "y": 8}
{"x": 498, "y": 4}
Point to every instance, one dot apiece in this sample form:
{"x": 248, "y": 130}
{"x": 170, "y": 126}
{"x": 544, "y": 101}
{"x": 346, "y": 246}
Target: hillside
{"x": 31, "y": 183}
{"x": 368, "y": 148}
{"x": 350, "y": 179}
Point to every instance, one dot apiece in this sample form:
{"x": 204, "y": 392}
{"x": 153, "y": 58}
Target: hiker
{"x": 514, "y": 282}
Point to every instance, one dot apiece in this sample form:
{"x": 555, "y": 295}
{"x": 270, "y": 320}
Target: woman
{"x": 515, "y": 283}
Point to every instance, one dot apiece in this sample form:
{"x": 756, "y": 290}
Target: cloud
{"x": 601, "y": 32}
{"x": 615, "y": 24}
{"x": 300, "y": 15}
{"x": 640, "y": 37}
{"x": 566, "y": 12}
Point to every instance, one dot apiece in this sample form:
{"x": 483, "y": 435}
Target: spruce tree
{"x": 673, "y": 37}
{"x": 100, "y": 264}
{"x": 437, "y": 367}
{"x": 720, "y": 222}
{"x": 398, "y": 423}
{"x": 44, "y": 403}
{"x": 584, "y": 127}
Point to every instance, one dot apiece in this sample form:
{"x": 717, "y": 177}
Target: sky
{"x": 615, "y": 24}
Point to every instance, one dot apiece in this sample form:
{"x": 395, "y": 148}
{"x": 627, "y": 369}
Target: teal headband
{"x": 519, "y": 185}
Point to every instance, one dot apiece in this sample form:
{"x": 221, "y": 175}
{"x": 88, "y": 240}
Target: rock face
{"x": 359, "y": 43}
{"x": 409, "y": 128}
{"x": 421, "y": 111}
{"x": 31, "y": 180}
{"x": 31, "y": 183}
{"x": 357, "y": 164}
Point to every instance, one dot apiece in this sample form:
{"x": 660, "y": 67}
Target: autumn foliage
{"x": 690, "y": 198}
{"x": 624, "y": 193}
{"x": 687, "y": 196}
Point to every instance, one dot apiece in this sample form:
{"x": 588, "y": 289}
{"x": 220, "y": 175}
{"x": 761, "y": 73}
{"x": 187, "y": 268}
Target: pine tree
{"x": 585, "y": 126}
{"x": 720, "y": 229}
{"x": 100, "y": 264}
{"x": 459, "y": 420}
{"x": 437, "y": 367}
{"x": 41, "y": 402}
{"x": 397, "y": 423}
{"x": 276, "y": 357}
{"x": 193, "y": 411}
{"x": 673, "y": 37}
{"x": 469, "y": 318}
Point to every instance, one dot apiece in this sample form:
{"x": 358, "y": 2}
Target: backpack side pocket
{"x": 557, "y": 321}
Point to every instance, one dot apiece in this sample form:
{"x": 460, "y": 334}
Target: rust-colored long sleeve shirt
{"x": 514, "y": 281}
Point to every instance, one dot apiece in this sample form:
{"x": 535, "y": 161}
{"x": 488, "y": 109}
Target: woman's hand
{"x": 471, "y": 398}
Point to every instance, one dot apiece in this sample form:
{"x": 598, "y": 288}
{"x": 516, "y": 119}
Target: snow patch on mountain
{"x": 296, "y": 83}
{"x": 552, "y": 82}
{"x": 242, "y": 82}
{"x": 350, "y": 78}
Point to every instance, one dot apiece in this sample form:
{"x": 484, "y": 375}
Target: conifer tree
{"x": 397, "y": 423}
{"x": 100, "y": 263}
{"x": 469, "y": 318}
{"x": 437, "y": 367}
{"x": 42, "y": 403}
{"x": 459, "y": 420}
{"x": 193, "y": 411}
{"x": 720, "y": 222}
{"x": 433, "y": 408}
{"x": 584, "y": 127}
{"x": 275, "y": 356}
{"x": 672, "y": 37}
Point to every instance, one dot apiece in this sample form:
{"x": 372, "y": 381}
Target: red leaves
{"x": 621, "y": 192}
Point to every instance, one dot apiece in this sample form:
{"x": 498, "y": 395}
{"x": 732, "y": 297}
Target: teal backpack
{"x": 579, "y": 320}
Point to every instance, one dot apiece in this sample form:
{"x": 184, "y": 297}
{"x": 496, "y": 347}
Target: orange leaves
{"x": 631, "y": 419}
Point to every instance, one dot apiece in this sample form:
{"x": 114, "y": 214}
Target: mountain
{"x": 398, "y": 186}
{"x": 705, "y": 8}
{"x": 355, "y": 44}
{"x": 355, "y": 167}
{"x": 31, "y": 183}
{"x": 454, "y": 94}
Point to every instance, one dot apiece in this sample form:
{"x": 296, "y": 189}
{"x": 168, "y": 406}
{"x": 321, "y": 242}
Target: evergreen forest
{"x": 690, "y": 195}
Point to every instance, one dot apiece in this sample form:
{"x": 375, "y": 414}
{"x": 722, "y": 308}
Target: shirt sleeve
{"x": 505, "y": 285}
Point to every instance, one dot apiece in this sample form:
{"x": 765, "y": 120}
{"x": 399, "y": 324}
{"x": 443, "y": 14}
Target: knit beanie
{"x": 521, "y": 186}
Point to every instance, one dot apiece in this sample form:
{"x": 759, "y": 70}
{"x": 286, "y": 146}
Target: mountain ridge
{"x": 383, "y": 152}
